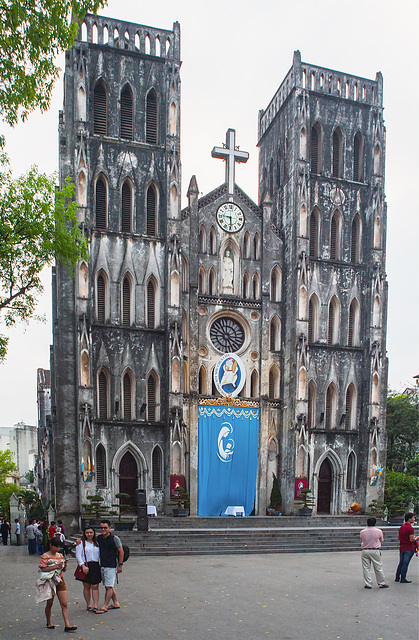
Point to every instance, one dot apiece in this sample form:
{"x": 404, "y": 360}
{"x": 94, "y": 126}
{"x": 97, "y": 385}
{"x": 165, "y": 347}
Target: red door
{"x": 324, "y": 493}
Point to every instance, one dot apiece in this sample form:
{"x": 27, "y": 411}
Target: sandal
{"x": 89, "y": 609}
{"x": 70, "y": 629}
{"x": 113, "y": 607}
{"x": 101, "y": 611}
{"x": 51, "y": 627}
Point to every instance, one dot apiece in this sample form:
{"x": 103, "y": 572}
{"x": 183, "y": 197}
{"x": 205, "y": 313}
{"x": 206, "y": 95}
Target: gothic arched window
{"x": 333, "y": 321}
{"x": 152, "y": 118}
{"x": 100, "y": 466}
{"x": 337, "y": 153}
{"x": 276, "y": 284}
{"x": 335, "y": 232}
{"x": 273, "y": 383}
{"x": 350, "y": 407}
{"x": 127, "y": 122}
{"x": 202, "y": 381}
{"x": 151, "y": 304}
{"x": 353, "y": 324}
{"x": 331, "y": 406}
{"x": 101, "y": 204}
{"x": 127, "y": 395}
{"x": 358, "y": 157}
{"x": 313, "y": 319}
{"x": 100, "y": 109}
{"x": 103, "y": 393}
{"x": 126, "y": 207}
{"x": 316, "y": 149}
{"x": 152, "y": 397}
{"x": 275, "y": 334}
{"x": 312, "y": 403}
{"x": 314, "y": 233}
{"x": 101, "y": 295}
{"x": 351, "y": 472}
{"x": 157, "y": 468}
{"x": 151, "y": 209}
{"x": 126, "y": 301}
{"x": 356, "y": 239}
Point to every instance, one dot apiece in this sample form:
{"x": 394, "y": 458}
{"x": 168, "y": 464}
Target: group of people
{"x": 371, "y": 540}
{"x": 100, "y": 558}
{"x": 40, "y": 532}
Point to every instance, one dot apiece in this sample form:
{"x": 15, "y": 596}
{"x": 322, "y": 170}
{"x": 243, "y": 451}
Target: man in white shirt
{"x": 371, "y": 539}
{"x": 17, "y": 531}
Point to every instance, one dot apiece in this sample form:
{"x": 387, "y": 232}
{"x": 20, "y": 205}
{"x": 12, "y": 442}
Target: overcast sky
{"x": 235, "y": 54}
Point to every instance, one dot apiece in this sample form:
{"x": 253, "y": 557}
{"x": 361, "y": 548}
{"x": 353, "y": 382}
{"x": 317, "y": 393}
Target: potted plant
{"x": 274, "y": 508}
{"x": 94, "y": 510}
{"x": 181, "y": 499}
{"x": 123, "y": 525}
{"x": 307, "y": 502}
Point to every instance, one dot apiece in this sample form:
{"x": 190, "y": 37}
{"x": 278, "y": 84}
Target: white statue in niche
{"x": 228, "y": 271}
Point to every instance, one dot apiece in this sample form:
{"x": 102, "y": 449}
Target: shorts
{"x": 61, "y": 586}
{"x": 108, "y": 576}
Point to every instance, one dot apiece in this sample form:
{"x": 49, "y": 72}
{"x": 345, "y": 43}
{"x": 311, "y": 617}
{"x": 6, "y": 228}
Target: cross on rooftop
{"x": 230, "y": 154}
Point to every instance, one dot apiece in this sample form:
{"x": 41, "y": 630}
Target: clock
{"x": 230, "y": 217}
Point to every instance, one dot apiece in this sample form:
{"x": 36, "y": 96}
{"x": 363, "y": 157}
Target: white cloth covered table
{"x": 151, "y": 510}
{"x": 234, "y": 511}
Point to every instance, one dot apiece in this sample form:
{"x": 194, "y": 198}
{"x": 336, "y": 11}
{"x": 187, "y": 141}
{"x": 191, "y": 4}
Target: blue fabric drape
{"x": 227, "y": 458}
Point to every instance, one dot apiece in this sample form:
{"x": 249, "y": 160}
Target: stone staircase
{"x": 214, "y": 536}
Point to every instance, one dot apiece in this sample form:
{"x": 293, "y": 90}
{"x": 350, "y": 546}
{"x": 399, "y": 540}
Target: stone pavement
{"x": 308, "y": 596}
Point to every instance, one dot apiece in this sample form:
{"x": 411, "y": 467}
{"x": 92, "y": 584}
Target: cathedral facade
{"x": 293, "y": 285}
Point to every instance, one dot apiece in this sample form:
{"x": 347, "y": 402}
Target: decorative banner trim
{"x": 229, "y": 401}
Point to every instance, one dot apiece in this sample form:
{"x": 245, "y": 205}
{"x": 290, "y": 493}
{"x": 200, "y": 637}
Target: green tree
{"x": 32, "y": 33}
{"x": 7, "y": 465}
{"x": 38, "y": 224}
{"x": 402, "y": 430}
{"x": 400, "y": 490}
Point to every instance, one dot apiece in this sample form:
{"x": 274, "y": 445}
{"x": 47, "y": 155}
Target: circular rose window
{"x": 227, "y": 335}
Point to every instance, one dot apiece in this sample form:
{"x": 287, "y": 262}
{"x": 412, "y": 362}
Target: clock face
{"x": 230, "y": 217}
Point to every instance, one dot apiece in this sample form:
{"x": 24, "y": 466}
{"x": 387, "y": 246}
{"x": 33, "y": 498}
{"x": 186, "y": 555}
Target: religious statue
{"x": 228, "y": 271}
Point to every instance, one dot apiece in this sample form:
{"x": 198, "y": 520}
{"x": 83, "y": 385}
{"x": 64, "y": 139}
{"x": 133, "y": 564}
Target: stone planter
{"x": 304, "y": 511}
{"x": 124, "y": 526}
{"x": 397, "y": 521}
{"x": 180, "y": 513}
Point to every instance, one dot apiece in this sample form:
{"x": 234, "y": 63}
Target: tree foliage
{"x": 38, "y": 224}
{"x": 32, "y": 33}
{"x": 401, "y": 490}
{"x": 7, "y": 466}
{"x": 402, "y": 430}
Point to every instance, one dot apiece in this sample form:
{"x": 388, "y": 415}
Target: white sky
{"x": 235, "y": 54}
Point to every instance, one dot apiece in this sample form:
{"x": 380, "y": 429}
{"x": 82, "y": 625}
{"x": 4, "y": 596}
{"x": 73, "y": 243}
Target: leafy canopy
{"x": 37, "y": 225}
{"x": 7, "y": 465}
{"x": 401, "y": 489}
{"x": 402, "y": 430}
{"x": 32, "y": 33}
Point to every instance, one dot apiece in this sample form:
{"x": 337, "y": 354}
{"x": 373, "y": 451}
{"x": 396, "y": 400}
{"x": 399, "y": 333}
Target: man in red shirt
{"x": 407, "y": 541}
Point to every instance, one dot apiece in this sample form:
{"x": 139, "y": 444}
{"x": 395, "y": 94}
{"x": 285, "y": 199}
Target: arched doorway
{"x": 324, "y": 493}
{"x": 128, "y": 478}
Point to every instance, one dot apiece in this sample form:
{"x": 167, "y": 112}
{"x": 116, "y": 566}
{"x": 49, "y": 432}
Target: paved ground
{"x": 309, "y": 596}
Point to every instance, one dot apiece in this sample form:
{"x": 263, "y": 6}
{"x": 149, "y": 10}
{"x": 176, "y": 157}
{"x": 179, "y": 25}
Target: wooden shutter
{"x": 351, "y": 325}
{"x": 126, "y": 207}
{"x": 310, "y": 321}
{"x": 151, "y": 295}
{"x": 357, "y": 176}
{"x": 333, "y": 244}
{"x": 313, "y": 235}
{"x": 126, "y": 127}
{"x": 126, "y": 302}
{"x": 151, "y": 398}
{"x": 151, "y": 118}
{"x": 348, "y": 407}
{"x": 100, "y": 203}
{"x": 330, "y": 326}
{"x": 314, "y": 150}
{"x": 156, "y": 465}
{"x": 101, "y": 290}
{"x": 336, "y": 154}
{"x": 103, "y": 396}
{"x": 100, "y": 467}
{"x": 355, "y": 240}
{"x": 127, "y": 396}
{"x": 272, "y": 336}
{"x": 151, "y": 211}
{"x": 328, "y": 407}
{"x": 271, "y": 385}
{"x": 100, "y": 110}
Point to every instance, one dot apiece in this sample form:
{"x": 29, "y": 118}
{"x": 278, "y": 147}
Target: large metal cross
{"x": 230, "y": 155}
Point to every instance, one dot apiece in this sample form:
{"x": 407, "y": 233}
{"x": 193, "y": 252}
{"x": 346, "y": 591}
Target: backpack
{"x": 125, "y": 548}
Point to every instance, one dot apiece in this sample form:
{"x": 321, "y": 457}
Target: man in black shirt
{"x": 111, "y": 559}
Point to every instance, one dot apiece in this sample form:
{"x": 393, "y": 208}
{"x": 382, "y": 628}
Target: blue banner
{"x": 227, "y": 458}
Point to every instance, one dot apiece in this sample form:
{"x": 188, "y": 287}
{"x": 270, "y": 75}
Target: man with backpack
{"x": 111, "y": 561}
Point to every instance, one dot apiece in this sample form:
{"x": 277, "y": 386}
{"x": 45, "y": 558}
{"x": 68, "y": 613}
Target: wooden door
{"x": 128, "y": 478}
{"x": 324, "y": 494}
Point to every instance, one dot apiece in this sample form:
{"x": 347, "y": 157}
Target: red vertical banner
{"x": 175, "y": 483}
{"x": 300, "y": 484}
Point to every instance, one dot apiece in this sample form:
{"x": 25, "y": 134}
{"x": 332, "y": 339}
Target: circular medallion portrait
{"x": 229, "y": 375}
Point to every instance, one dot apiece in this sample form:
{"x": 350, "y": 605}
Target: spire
{"x": 193, "y": 187}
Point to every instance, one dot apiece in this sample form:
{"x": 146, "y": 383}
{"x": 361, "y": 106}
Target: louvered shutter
{"x": 151, "y": 118}
{"x": 151, "y": 305}
{"x": 127, "y": 396}
{"x": 126, "y": 127}
{"x": 151, "y": 399}
{"x": 126, "y": 207}
{"x": 314, "y": 150}
{"x": 100, "y": 203}
{"x": 100, "y": 299}
{"x": 151, "y": 211}
{"x": 126, "y": 302}
{"x": 103, "y": 396}
{"x": 100, "y": 110}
